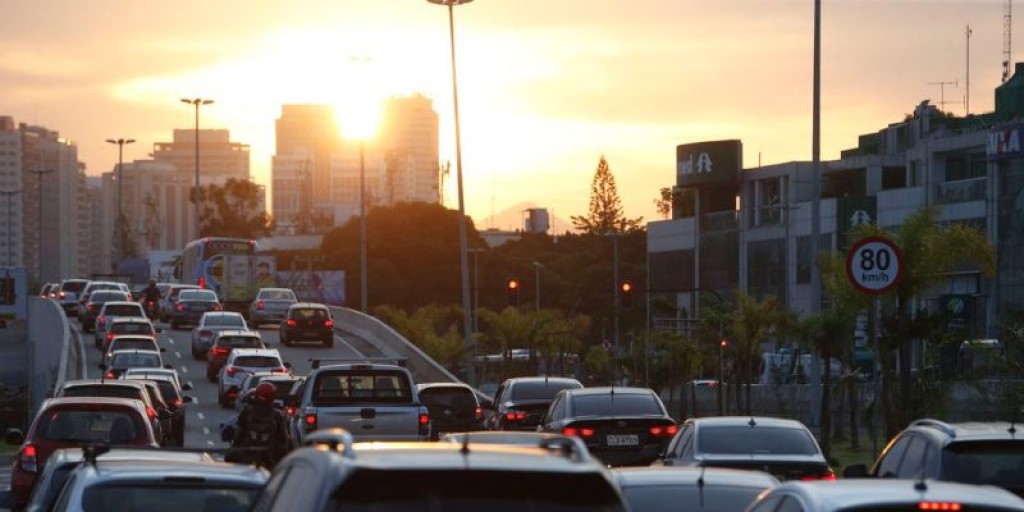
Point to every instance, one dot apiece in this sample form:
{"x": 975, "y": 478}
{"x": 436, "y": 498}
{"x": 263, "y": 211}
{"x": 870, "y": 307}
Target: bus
{"x": 204, "y": 261}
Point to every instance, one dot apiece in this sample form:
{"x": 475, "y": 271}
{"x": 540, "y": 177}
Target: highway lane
{"x": 204, "y": 415}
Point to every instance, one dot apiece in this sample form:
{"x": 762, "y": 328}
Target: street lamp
{"x": 536, "y": 282}
{"x": 467, "y": 342}
{"x": 197, "y": 102}
{"x": 39, "y": 228}
{"x": 363, "y": 287}
{"x": 9, "y": 194}
{"x": 119, "y": 224}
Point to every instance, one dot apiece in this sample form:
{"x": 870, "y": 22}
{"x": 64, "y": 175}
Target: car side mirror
{"x": 287, "y": 365}
{"x": 187, "y": 386}
{"x": 14, "y": 437}
{"x": 168, "y": 367}
{"x": 855, "y": 471}
{"x": 187, "y": 399}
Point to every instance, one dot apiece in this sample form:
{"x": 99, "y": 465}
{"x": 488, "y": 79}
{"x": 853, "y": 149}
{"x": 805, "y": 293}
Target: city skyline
{"x": 545, "y": 89}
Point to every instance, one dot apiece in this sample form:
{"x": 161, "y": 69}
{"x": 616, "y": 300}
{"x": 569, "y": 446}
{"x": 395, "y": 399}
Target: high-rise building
{"x": 11, "y": 194}
{"x": 310, "y": 131}
{"x": 409, "y": 139}
{"x": 219, "y": 158}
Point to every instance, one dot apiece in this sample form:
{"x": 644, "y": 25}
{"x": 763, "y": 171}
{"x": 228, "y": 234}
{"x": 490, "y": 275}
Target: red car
{"x": 74, "y": 422}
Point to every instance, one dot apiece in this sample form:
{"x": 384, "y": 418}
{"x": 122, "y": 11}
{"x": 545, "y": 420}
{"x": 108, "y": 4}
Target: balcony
{"x": 961, "y": 191}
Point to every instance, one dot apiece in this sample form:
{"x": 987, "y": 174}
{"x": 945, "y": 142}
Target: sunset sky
{"x": 545, "y": 87}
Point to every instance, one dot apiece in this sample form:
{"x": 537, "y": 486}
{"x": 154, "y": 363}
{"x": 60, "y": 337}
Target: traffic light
{"x": 626, "y": 294}
{"x": 512, "y": 291}
{"x": 724, "y": 344}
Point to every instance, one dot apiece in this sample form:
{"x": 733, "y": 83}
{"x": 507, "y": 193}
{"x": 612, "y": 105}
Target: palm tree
{"x": 753, "y": 322}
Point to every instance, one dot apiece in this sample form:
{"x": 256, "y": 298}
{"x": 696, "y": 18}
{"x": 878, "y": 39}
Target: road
{"x": 204, "y": 415}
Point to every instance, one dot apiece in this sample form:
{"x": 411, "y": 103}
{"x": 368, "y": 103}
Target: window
{"x": 910, "y": 466}
{"x": 758, "y": 440}
{"x": 362, "y": 386}
{"x": 891, "y": 457}
{"x": 615, "y": 405}
{"x": 257, "y": 362}
{"x": 539, "y": 390}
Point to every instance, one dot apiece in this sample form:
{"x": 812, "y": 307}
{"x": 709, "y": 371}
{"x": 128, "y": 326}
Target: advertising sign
{"x": 1005, "y": 142}
{"x": 323, "y": 286}
{"x": 706, "y": 163}
{"x": 959, "y": 309}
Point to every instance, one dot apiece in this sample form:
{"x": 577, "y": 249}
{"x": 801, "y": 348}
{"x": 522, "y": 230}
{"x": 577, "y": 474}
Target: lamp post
{"x": 363, "y": 293}
{"x": 197, "y": 102}
{"x": 467, "y": 341}
{"x": 816, "y": 285}
{"x": 119, "y": 223}
{"x": 9, "y": 194}
{"x": 39, "y": 221}
{"x": 536, "y": 280}
{"x": 476, "y": 286}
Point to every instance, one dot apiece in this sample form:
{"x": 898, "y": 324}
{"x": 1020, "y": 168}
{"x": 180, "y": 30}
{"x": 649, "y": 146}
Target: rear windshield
{"x": 616, "y": 405}
{"x": 996, "y": 463}
{"x": 311, "y": 313}
{"x": 224, "y": 320}
{"x": 91, "y": 424}
{"x": 362, "y": 386}
{"x": 744, "y": 440}
{"x": 95, "y": 287}
{"x": 239, "y": 342}
{"x": 100, "y": 390}
{"x": 135, "y": 360}
{"x": 105, "y": 296}
{"x": 133, "y": 343}
{"x": 168, "y": 392}
{"x": 131, "y": 328}
{"x": 74, "y": 286}
{"x": 716, "y": 498}
{"x": 175, "y": 291}
{"x": 540, "y": 390}
{"x": 471, "y": 490}
{"x": 123, "y": 310}
{"x": 257, "y": 362}
{"x": 197, "y": 295}
{"x": 277, "y": 295}
{"x": 448, "y": 396}
{"x": 157, "y": 496}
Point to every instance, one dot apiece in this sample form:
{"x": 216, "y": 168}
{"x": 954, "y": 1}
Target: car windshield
{"x": 257, "y": 362}
{"x": 996, "y": 463}
{"x": 240, "y": 342}
{"x": 224, "y": 321}
{"x": 308, "y": 314}
{"x": 277, "y": 295}
{"x": 540, "y": 390}
{"x": 711, "y": 498}
{"x": 448, "y": 396}
{"x": 361, "y": 386}
{"x": 761, "y": 440}
{"x": 135, "y": 360}
{"x": 131, "y": 328}
{"x": 123, "y": 310}
{"x": 616, "y": 404}
{"x": 74, "y": 286}
{"x": 198, "y": 296}
{"x": 111, "y": 391}
{"x": 157, "y": 496}
{"x": 133, "y": 343}
{"x": 91, "y": 424}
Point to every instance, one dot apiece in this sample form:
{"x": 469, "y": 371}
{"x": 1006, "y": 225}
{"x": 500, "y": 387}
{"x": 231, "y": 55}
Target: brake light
{"x": 101, "y": 320}
{"x": 830, "y": 476}
{"x": 216, "y": 308}
{"x": 180, "y": 307}
{"x": 280, "y": 370}
{"x": 110, "y": 336}
{"x": 150, "y": 412}
{"x": 939, "y": 505}
{"x": 178, "y": 402}
{"x": 478, "y": 412}
{"x": 671, "y": 430}
{"x": 290, "y": 410}
{"x": 328, "y": 323}
{"x": 231, "y": 371}
{"x": 586, "y": 432}
{"x": 514, "y": 415}
{"x": 310, "y": 421}
{"x": 291, "y": 322}
{"x": 570, "y": 431}
{"x": 109, "y": 374}
{"x": 424, "y": 418}
{"x": 220, "y": 351}
{"x": 260, "y": 304}
{"x": 27, "y": 458}
{"x": 90, "y": 307}
{"x": 424, "y": 424}
{"x": 656, "y": 431}
{"x": 202, "y": 282}
{"x": 63, "y": 294}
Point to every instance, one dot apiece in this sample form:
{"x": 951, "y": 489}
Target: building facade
{"x": 219, "y": 158}
{"x": 11, "y": 194}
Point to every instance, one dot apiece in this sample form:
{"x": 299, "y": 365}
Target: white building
{"x": 11, "y": 194}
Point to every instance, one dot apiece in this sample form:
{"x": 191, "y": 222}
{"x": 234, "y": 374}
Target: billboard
{"x": 709, "y": 163}
{"x": 1005, "y": 142}
{"x": 323, "y": 286}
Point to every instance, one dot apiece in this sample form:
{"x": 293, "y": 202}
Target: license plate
{"x": 622, "y": 440}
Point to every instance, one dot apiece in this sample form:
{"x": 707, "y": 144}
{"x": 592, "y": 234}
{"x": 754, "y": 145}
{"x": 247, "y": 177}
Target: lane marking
{"x": 178, "y": 354}
{"x": 209, "y": 443}
{"x": 201, "y": 416}
{"x": 184, "y": 369}
{"x": 206, "y": 430}
{"x": 170, "y": 340}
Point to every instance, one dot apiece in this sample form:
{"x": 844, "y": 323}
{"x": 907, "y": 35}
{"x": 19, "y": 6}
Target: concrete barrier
{"x": 49, "y": 350}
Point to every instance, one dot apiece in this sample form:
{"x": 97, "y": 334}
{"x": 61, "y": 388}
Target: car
{"x": 520, "y": 403}
{"x": 73, "y": 422}
{"x": 164, "y": 415}
{"x": 622, "y": 426}
{"x": 127, "y": 325}
{"x": 223, "y": 343}
{"x": 705, "y": 489}
{"x": 191, "y": 305}
{"x": 67, "y": 294}
{"x": 453, "y": 407}
{"x": 866, "y": 495}
{"x": 124, "y": 359}
{"x": 242, "y": 361}
{"x": 62, "y": 463}
{"x": 307, "y": 321}
{"x": 111, "y": 310}
{"x": 160, "y": 485}
{"x": 95, "y": 286}
{"x": 169, "y": 372}
{"x": 271, "y": 305}
{"x": 984, "y": 453}
{"x": 209, "y": 325}
{"x": 283, "y": 385}
{"x": 171, "y": 392}
{"x": 783, "y": 447}
{"x": 334, "y": 473}
{"x": 48, "y": 291}
{"x": 115, "y": 389}
{"x": 502, "y": 437}
{"x": 170, "y": 298}
{"x": 91, "y": 308}
{"x": 131, "y": 341}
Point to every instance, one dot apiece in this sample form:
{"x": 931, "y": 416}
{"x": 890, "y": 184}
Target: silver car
{"x": 209, "y": 325}
{"x": 242, "y": 362}
{"x": 271, "y": 306}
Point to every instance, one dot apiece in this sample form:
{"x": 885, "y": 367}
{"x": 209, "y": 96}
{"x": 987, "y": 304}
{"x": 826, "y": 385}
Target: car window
{"x": 359, "y": 386}
{"x": 653, "y": 498}
{"x": 257, "y": 361}
{"x": 133, "y": 343}
{"x": 737, "y": 439}
{"x": 159, "y": 496}
{"x": 910, "y": 466}
{"x": 74, "y": 286}
{"x": 123, "y": 310}
{"x": 224, "y": 321}
{"x": 168, "y": 391}
{"x": 308, "y": 314}
{"x": 448, "y": 396}
{"x": 131, "y": 328}
{"x": 198, "y": 295}
{"x": 91, "y": 425}
{"x": 985, "y": 462}
{"x": 108, "y": 296}
{"x": 615, "y": 404}
{"x": 540, "y": 390}
{"x": 135, "y": 360}
{"x": 890, "y": 461}
{"x": 277, "y": 295}
{"x": 790, "y": 504}
{"x": 240, "y": 342}
{"x": 105, "y": 391}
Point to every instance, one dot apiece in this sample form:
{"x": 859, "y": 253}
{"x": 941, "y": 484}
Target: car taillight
{"x": 424, "y": 418}
{"x": 178, "y": 402}
{"x": 515, "y": 415}
{"x": 202, "y": 282}
{"x": 663, "y": 430}
{"x": 310, "y": 421}
{"x": 291, "y": 322}
{"x": 478, "y": 413}
{"x": 63, "y": 294}
{"x": 656, "y": 431}
{"x": 219, "y": 351}
{"x": 671, "y": 430}
{"x": 829, "y": 476}
{"x": 110, "y": 336}
{"x": 180, "y": 307}
{"x": 328, "y": 323}
{"x": 280, "y": 370}
{"x": 260, "y": 305}
{"x": 150, "y": 412}
{"x": 27, "y": 458}
{"x": 109, "y": 374}
{"x": 290, "y": 410}
{"x": 90, "y": 307}
{"x": 570, "y": 431}
{"x": 424, "y": 424}
{"x": 231, "y": 371}
{"x": 101, "y": 320}
{"x": 216, "y": 308}
{"x": 586, "y": 432}
{"x": 939, "y": 505}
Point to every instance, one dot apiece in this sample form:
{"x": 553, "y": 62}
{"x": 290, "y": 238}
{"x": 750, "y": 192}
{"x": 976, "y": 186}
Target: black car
{"x": 980, "y": 453}
{"x": 783, "y": 447}
{"x": 306, "y": 321}
{"x": 191, "y": 305}
{"x": 171, "y": 395}
{"x": 453, "y": 407}
{"x": 91, "y": 307}
{"x": 520, "y": 403}
{"x": 622, "y": 426}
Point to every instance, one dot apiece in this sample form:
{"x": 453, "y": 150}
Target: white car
{"x": 242, "y": 362}
{"x": 130, "y": 342}
{"x": 112, "y": 310}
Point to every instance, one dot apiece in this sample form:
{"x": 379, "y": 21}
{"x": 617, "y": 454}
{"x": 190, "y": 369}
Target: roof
{"x": 607, "y": 390}
{"x": 507, "y": 437}
{"x": 688, "y": 476}
{"x": 968, "y": 431}
{"x": 543, "y": 379}
{"x": 98, "y": 382}
{"x": 238, "y": 352}
{"x": 193, "y": 470}
{"x": 116, "y": 454}
{"x": 134, "y": 351}
{"x": 91, "y": 400}
{"x": 307, "y": 305}
{"x": 854, "y": 492}
{"x": 449, "y": 456}
{"x": 426, "y": 385}
{"x": 759, "y": 421}
{"x": 130, "y": 319}
{"x": 239, "y": 332}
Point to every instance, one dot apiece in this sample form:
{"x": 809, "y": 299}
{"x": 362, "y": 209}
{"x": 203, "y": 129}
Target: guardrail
{"x": 49, "y": 350}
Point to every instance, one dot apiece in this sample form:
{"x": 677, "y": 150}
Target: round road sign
{"x": 874, "y": 265}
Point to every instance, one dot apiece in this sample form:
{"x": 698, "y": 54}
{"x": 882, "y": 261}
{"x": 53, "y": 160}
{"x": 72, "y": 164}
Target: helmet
{"x": 152, "y": 280}
{"x": 265, "y": 391}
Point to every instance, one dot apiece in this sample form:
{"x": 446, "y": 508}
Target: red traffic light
{"x": 626, "y": 287}
{"x": 724, "y": 343}
{"x": 513, "y": 284}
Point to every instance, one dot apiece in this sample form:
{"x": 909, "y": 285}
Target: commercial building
{"x": 11, "y": 194}
{"x": 219, "y": 158}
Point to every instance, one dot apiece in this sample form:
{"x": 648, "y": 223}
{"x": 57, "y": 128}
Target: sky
{"x": 545, "y": 87}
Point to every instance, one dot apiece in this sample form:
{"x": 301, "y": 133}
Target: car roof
{"x": 131, "y": 336}
{"x": 276, "y": 290}
{"x": 509, "y": 437}
{"x": 411, "y": 455}
{"x": 541, "y": 378}
{"x": 308, "y": 305}
{"x": 129, "y": 454}
{"x": 130, "y": 320}
{"x": 608, "y": 390}
{"x": 164, "y": 470}
{"x": 689, "y": 476}
{"x": 222, "y": 313}
{"x": 856, "y": 492}
{"x": 435, "y": 385}
{"x": 134, "y": 351}
{"x": 759, "y": 421}
{"x": 966, "y": 431}
{"x": 238, "y": 332}
{"x": 91, "y": 400}
{"x": 170, "y": 372}
{"x": 255, "y": 352}
{"x": 97, "y": 382}
{"x": 121, "y": 303}
{"x": 144, "y": 377}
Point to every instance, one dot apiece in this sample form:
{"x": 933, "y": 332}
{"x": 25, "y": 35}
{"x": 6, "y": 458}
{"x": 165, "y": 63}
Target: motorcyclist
{"x": 150, "y": 297}
{"x": 261, "y": 425}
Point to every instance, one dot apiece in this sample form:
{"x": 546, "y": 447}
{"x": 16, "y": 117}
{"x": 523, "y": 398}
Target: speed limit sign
{"x": 874, "y": 265}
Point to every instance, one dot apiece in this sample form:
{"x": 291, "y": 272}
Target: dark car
{"x": 703, "y": 489}
{"x": 306, "y": 321}
{"x": 124, "y": 359}
{"x": 453, "y": 407}
{"x": 191, "y": 305}
{"x": 91, "y": 309}
{"x": 783, "y": 447}
{"x": 520, "y": 403}
{"x": 981, "y": 453}
{"x": 169, "y": 299}
{"x": 223, "y": 344}
{"x": 622, "y": 426}
{"x": 171, "y": 395}
{"x": 271, "y": 305}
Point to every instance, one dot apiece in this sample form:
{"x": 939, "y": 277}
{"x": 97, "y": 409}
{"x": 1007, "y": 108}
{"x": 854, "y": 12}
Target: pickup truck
{"x": 373, "y": 401}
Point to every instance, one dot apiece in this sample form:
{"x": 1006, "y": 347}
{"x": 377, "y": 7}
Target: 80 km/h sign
{"x": 874, "y": 265}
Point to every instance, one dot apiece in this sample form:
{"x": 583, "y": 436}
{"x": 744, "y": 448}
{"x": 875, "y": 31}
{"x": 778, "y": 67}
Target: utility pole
{"x": 1007, "y": 38}
{"x": 967, "y": 96}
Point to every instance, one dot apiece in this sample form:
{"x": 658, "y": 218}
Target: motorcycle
{"x": 152, "y": 311}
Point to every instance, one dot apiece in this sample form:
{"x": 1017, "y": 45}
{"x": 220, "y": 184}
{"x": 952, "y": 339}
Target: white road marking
{"x": 178, "y": 354}
{"x": 170, "y": 340}
{"x": 184, "y": 369}
{"x": 206, "y": 430}
{"x": 209, "y": 443}
{"x": 201, "y": 416}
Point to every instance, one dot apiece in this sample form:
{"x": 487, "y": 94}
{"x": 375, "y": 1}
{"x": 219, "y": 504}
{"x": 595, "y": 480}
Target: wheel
{"x": 284, "y": 340}
{"x": 96, "y": 342}
{"x": 196, "y": 355}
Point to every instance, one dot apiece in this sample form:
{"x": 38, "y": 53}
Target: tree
{"x": 752, "y": 322}
{"x": 606, "y": 215}
{"x": 233, "y": 210}
{"x": 433, "y": 328}
{"x": 673, "y": 202}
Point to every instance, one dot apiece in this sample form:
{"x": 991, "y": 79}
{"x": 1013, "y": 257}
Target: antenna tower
{"x": 1007, "y": 38}
{"x": 967, "y": 95}
{"x": 443, "y": 171}
{"x": 942, "y": 92}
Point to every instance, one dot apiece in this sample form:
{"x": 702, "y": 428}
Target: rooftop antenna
{"x": 443, "y": 171}
{"x": 1007, "y": 38}
{"x": 942, "y": 91}
{"x": 967, "y": 95}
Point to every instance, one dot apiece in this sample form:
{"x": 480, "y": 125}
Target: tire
{"x": 96, "y": 342}
{"x": 284, "y": 340}
{"x": 195, "y": 355}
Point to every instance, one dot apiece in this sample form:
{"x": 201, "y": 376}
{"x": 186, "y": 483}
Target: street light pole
{"x": 467, "y": 342}
{"x": 197, "y": 102}
{"x": 119, "y": 223}
{"x": 39, "y": 221}
{"x": 9, "y": 194}
{"x": 362, "y": 228}
{"x": 536, "y": 267}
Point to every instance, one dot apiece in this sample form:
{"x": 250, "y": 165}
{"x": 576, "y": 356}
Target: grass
{"x": 844, "y": 455}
